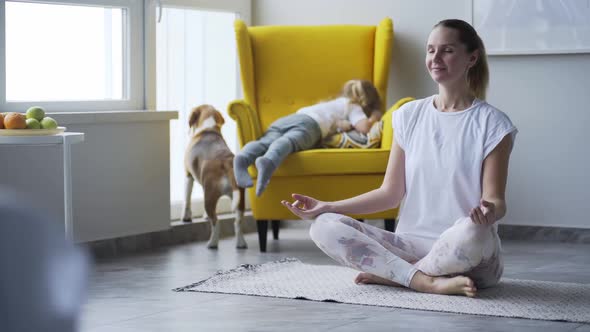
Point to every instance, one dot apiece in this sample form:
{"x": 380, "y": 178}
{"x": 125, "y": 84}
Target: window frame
{"x": 133, "y": 62}
{"x": 243, "y": 9}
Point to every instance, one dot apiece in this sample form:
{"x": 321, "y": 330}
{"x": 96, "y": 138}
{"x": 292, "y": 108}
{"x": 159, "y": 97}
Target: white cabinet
{"x": 39, "y": 168}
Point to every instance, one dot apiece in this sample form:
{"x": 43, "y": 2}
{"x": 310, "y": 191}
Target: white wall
{"x": 545, "y": 96}
{"x": 121, "y": 175}
{"x": 120, "y": 180}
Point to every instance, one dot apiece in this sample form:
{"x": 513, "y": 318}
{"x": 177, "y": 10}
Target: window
{"x": 109, "y": 55}
{"x": 72, "y": 55}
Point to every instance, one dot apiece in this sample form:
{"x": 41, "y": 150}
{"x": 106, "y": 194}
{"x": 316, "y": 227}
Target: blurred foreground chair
{"x": 43, "y": 277}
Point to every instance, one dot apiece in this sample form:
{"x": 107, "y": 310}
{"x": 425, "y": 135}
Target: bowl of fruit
{"x": 31, "y": 123}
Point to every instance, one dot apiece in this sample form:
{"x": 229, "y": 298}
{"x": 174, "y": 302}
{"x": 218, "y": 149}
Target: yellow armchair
{"x": 284, "y": 68}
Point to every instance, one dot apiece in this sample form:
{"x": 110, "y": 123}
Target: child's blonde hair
{"x": 364, "y": 94}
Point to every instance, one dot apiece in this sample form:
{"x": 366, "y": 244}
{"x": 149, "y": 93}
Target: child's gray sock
{"x": 265, "y": 167}
{"x": 241, "y": 172}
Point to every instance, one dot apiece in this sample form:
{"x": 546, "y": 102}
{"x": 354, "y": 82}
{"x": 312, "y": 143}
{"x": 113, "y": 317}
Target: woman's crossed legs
{"x": 464, "y": 254}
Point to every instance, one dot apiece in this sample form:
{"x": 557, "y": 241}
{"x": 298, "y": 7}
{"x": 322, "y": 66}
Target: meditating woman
{"x": 449, "y": 162}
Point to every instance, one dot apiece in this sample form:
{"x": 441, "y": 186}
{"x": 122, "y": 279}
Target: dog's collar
{"x": 214, "y": 129}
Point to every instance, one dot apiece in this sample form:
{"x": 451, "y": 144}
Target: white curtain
{"x": 196, "y": 64}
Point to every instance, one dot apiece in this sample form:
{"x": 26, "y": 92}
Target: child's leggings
{"x": 286, "y": 135}
{"x": 465, "y": 249}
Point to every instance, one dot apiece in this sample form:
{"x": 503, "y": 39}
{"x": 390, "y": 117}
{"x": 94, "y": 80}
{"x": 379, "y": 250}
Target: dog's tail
{"x": 239, "y": 200}
{"x": 238, "y": 195}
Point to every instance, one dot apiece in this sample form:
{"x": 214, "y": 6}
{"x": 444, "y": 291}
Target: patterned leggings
{"x": 464, "y": 249}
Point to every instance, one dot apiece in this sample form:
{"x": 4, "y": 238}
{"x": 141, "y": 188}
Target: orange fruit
{"x": 15, "y": 121}
{"x": 1, "y": 121}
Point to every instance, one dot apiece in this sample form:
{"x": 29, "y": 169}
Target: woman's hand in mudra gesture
{"x": 484, "y": 214}
{"x": 305, "y": 207}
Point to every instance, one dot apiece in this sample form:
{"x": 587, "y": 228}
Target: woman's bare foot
{"x": 459, "y": 285}
{"x": 368, "y": 278}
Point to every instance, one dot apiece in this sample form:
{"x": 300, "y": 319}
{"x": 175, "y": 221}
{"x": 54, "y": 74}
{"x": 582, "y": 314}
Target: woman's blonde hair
{"x": 364, "y": 94}
{"x": 478, "y": 75}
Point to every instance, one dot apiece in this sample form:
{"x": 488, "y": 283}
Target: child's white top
{"x": 444, "y": 154}
{"x": 326, "y": 114}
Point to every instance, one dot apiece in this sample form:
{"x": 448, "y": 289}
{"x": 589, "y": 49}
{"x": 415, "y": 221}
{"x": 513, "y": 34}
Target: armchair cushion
{"x": 334, "y": 162}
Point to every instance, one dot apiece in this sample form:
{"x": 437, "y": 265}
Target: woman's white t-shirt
{"x": 444, "y": 154}
{"x": 327, "y": 114}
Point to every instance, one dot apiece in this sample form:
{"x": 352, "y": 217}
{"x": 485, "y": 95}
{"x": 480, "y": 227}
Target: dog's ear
{"x": 219, "y": 118}
{"x": 194, "y": 117}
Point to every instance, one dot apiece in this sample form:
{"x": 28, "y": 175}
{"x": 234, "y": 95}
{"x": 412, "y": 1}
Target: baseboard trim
{"x": 544, "y": 233}
{"x": 199, "y": 230}
{"x": 510, "y": 232}
{"x": 179, "y": 232}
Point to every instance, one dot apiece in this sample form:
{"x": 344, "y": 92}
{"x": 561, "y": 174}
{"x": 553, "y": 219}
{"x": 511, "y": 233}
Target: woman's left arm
{"x": 494, "y": 176}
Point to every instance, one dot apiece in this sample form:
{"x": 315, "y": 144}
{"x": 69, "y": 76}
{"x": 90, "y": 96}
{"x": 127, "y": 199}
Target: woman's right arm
{"x": 388, "y": 196}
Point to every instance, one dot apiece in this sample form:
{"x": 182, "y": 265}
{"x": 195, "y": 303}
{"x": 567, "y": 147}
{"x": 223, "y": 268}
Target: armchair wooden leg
{"x": 275, "y": 228}
{"x": 390, "y": 225}
{"x": 262, "y": 227}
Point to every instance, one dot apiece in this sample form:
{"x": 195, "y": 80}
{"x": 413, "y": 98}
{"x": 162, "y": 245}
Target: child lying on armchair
{"x": 358, "y": 107}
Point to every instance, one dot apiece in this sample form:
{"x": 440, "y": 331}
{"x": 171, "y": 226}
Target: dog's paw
{"x": 241, "y": 243}
{"x": 212, "y": 245}
{"x": 187, "y": 215}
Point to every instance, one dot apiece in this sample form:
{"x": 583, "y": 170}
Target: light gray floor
{"x": 133, "y": 294}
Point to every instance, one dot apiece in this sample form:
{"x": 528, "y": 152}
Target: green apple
{"x": 35, "y": 112}
{"x": 48, "y": 123}
{"x": 33, "y": 124}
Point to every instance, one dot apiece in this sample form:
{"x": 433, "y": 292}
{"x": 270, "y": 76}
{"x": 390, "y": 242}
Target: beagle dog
{"x": 209, "y": 160}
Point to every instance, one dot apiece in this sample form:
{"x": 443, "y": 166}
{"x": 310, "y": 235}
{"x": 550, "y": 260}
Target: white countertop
{"x": 49, "y": 139}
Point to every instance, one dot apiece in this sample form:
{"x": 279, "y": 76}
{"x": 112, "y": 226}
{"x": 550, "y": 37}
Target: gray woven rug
{"x": 290, "y": 278}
